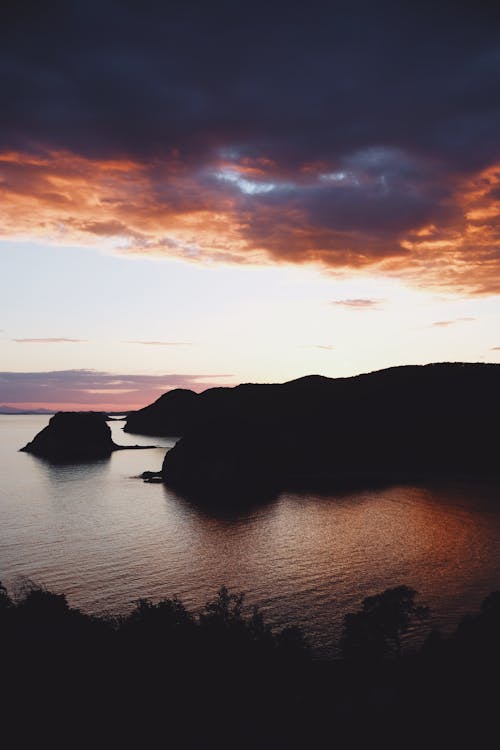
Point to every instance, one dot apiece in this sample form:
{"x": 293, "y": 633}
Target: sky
{"x": 196, "y": 194}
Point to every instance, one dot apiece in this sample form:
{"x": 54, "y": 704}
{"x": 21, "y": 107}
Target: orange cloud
{"x": 153, "y": 207}
{"x": 252, "y": 211}
{"x": 463, "y": 255}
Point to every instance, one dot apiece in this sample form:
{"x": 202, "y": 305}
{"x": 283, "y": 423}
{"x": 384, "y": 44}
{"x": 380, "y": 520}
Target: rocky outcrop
{"x": 73, "y": 436}
{"x": 401, "y": 423}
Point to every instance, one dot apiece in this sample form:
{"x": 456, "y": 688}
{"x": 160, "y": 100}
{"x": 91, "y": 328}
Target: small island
{"x": 76, "y": 436}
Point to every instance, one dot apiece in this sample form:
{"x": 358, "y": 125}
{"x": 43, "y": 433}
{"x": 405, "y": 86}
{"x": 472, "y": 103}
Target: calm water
{"x": 105, "y": 539}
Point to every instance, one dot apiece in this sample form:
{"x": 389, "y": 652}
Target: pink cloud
{"x": 50, "y": 341}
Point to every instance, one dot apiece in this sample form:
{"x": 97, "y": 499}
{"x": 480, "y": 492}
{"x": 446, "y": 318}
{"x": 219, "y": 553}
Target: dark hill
{"x": 171, "y": 414}
{"x": 403, "y": 422}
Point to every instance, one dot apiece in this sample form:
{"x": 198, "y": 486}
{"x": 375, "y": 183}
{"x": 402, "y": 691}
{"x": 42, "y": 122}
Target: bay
{"x": 100, "y": 535}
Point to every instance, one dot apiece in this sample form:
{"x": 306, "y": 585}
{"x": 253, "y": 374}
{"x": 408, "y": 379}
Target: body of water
{"x": 104, "y": 538}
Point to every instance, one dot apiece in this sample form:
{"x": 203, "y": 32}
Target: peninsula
{"x": 411, "y": 422}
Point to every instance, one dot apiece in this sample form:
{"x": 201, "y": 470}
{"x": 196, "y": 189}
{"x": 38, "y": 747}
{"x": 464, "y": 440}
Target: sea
{"x": 97, "y": 533}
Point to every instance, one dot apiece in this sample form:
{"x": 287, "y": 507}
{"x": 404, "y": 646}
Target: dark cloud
{"x": 335, "y": 133}
{"x": 50, "y": 341}
{"x": 300, "y": 82}
{"x": 94, "y": 387}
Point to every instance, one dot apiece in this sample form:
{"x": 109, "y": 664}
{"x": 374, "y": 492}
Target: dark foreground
{"x": 162, "y": 676}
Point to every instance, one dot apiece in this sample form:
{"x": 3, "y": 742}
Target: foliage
{"x": 376, "y": 631}
{"x": 225, "y": 610}
{"x": 222, "y": 677}
{"x": 5, "y": 600}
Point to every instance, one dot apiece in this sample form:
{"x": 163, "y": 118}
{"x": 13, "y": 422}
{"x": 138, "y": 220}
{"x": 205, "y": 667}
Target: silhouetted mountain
{"x": 14, "y": 410}
{"x": 390, "y": 425}
{"x": 171, "y": 414}
{"x": 73, "y": 435}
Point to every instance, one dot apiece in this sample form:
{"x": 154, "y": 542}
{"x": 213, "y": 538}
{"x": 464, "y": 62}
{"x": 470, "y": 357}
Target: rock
{"x": 73, "y": 436}
{"x": 152, "y": 477}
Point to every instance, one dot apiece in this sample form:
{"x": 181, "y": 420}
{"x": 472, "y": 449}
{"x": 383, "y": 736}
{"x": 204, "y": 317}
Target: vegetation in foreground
{"x": 223, "y": 678}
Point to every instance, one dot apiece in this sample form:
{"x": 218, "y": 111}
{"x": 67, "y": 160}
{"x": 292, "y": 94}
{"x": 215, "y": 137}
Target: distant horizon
{"x": 123, "y": 406}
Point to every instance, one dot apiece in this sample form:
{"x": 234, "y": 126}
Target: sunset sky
{"x": 197, "y": 194}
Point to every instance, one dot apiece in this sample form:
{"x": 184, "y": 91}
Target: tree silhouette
{"x": 225, "y": 610}
{"x": 376, "y": 631}
{"x": 5, "y": 600}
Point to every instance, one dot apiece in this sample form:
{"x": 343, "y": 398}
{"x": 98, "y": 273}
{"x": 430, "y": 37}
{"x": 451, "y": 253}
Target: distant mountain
{"x": 13, "y": 410}
{"x": 402, "y": 422}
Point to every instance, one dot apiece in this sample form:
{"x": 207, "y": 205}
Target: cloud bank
{"x": 359, "y": 136}
{"x": 94, "y": 389}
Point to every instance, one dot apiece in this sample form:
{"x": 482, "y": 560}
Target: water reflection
{"x": 227, "y": 509}
{"x": 69, "y": 471}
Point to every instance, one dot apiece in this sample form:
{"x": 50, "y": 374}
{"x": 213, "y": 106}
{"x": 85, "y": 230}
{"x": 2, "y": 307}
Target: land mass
{"x": 400, "y": 423}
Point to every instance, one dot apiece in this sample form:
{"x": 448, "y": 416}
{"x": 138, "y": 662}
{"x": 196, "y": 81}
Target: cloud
{"x": 161, "y": 343}
{"x": 357, "y": 304}
{"x": 326, "y": 347}
{"x": 495, "y": 349}
{"x": 332, "y": 147}
{"x": 446, "y": 323}
{"x": 413, "y": 222}
{"x": 90, "y": 388}
{"x": 340, "y": 77}
{"x": 50, "y": 341}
